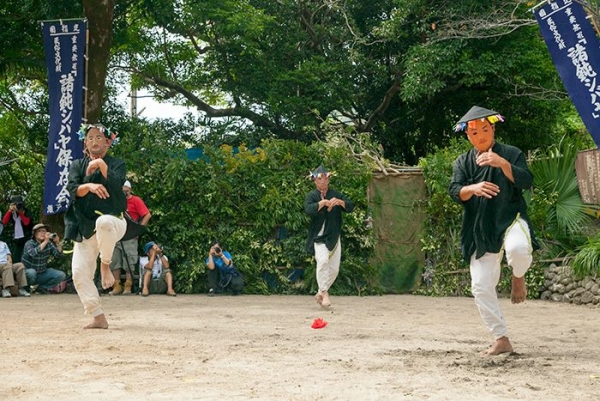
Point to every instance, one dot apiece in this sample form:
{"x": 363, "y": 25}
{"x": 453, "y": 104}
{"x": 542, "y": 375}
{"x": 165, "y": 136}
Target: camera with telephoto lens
{"x": 20, "y": 206}
{"x": 217, "y": 249}
{"x": 53, "y": 235}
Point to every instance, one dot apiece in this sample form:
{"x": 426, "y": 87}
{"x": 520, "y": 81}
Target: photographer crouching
{"x": 222, "y": 274}
{"x": 158, "y": 278}
{"x": 38, "y": 250}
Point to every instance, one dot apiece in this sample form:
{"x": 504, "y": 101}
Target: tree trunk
{"x": 100, "y": 21}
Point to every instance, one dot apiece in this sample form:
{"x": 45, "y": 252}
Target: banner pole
{"x": 86, "y": 74}
{"x": 532, "y": 9}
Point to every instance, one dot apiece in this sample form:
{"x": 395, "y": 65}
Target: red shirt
{"x": 136, "y": 208}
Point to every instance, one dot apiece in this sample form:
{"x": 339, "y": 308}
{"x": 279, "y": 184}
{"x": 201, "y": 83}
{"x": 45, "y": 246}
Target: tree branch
{"x": 383, "y": 106}
{"x": 237, "y": 111}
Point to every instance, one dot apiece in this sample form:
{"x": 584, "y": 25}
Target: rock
{"x": 556, "y": 297}
{"x": 566, "y": 280}
{"x": 587, "y": 297}
{"x": 546, "y": 295}
{"x": 595, "y": 289}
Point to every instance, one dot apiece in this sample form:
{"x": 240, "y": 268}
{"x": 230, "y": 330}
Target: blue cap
{"x": 148, "y": 246}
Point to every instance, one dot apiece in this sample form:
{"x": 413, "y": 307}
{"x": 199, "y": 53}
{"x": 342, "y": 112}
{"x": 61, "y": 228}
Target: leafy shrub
{"x": 445, "y": 270}
{"x": 252, "y": 201}
{"x": 587, "y": 260}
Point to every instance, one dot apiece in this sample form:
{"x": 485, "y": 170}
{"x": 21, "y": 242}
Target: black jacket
{"x": 486, "y": 220}
{"x": 80, "y": 219}
{"x": 332, "y": 219}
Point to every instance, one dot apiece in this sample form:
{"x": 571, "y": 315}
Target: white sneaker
{"x": 6, "y": 293}
{"x": 23, "y": 293}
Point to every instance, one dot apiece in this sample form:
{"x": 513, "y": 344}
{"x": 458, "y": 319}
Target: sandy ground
{"x": 393, "y": 347}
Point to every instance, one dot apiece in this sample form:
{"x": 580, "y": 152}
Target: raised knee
{"x": 104, "y": 223}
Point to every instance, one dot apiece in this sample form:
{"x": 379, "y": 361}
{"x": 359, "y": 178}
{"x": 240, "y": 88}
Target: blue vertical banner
{"x": 64, "y": 47}
{"x": 575, "y": 51}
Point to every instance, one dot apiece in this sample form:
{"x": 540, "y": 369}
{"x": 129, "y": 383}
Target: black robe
{"x": 332, "y": 219}
{"x": 486, "y": 220}
{"x": 80, "y": 219}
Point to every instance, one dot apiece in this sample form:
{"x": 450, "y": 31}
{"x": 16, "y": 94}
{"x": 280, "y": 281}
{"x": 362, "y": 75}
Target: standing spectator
{"x": 38, "y": 251}
{"x": 158, "y": 278}
{"x": 325, "y": 207}
{"x": 95, "y": 219}
{"x": 125, "y": 256}
{"x": 488, "y": 181}
{"x": 11, "y": 272}
{"x": 18, "y": 215}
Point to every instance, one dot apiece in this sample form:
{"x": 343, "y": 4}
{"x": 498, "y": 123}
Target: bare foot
{"x": 500, "y": 346}
{"x": 99, "y": 322}
{"x": 326, "y": 303}
{"x": 518, "y": 292}
{"x": 319, "y": 297}
{"x": 108, "y": 280}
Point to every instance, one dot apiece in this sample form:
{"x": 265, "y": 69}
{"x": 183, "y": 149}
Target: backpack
{"x": 232, "y": 280}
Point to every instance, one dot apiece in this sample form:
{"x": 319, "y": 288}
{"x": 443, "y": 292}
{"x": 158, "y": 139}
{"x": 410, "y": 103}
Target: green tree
{"x": 403, "y": 71}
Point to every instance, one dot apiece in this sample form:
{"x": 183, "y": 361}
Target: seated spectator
{"x": 37, "y": 251}
{"x": 222, "y": 274}
{"x": 157, "y": 278}
{"x": 10, "y": 273}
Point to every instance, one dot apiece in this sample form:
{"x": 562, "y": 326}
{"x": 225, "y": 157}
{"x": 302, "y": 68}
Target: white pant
{"x": 109, "y": 230}
{"x": 485, "y": 274}
{"x": 328, "y": 264}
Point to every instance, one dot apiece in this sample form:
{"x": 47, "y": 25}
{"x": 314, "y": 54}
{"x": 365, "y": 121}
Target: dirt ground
{"x": 393, "y": 347}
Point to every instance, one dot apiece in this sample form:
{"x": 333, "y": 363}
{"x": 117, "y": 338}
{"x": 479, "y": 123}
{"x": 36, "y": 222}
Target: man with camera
{"x": 36, "y": 254}
{"x": 158, "y": 278}
{"x": 222, "y": 274}
{"x": 19, "y": 217}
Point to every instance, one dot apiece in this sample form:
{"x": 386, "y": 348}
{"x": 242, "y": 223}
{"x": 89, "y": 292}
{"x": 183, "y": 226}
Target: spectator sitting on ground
{"x": 10, "y": 272}
{"x": 222, "y": 274}
{"x": 37, "y": 251}
{"x": 158, "y": 278}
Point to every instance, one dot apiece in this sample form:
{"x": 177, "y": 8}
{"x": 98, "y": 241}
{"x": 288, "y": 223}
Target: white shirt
{"x": 4, "y": 252}
{"x": 157, "y": 268}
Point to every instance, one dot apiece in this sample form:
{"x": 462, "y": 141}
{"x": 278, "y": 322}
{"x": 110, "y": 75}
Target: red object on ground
{"x": 319, "y": 324}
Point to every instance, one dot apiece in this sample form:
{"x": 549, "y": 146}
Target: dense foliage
{"x": 250, "y": 199}
{"x": 587, "y": 258}
{"x": 403, "y": 71}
